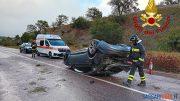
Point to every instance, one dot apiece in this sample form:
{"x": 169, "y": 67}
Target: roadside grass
{"x": 16, "y": 47}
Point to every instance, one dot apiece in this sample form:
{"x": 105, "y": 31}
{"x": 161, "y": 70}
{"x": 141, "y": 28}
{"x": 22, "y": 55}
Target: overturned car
{"x": 100, "y": 58}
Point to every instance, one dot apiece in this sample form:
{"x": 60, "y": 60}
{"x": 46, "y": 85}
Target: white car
{"x": 51, "y": 45}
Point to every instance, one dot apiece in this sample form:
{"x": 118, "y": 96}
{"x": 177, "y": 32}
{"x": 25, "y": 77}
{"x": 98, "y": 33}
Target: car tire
{"x": 50, "y": 55}
{"x": 26, "y": 51}
{"x": 92, "y": 49}
{"x": 38, "y": 54}
{"x": 20, "y": 50}
{"x": 71, "y": 68}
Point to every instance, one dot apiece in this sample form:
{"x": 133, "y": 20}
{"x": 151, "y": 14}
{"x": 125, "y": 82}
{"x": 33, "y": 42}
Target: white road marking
{"x": 115, "y": 84}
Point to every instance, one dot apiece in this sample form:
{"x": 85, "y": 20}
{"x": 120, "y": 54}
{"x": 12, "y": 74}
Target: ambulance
{"x": 51, "y": 45}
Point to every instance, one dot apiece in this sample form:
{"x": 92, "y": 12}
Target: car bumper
{"x": 29, "y": 50}
{"x": 58, "y": 54}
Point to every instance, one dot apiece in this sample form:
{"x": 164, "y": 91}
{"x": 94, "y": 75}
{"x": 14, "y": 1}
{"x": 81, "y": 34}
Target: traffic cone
{"x": 150, "y": 67}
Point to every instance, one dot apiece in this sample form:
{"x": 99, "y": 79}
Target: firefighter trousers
{"x": 133, "y": 70}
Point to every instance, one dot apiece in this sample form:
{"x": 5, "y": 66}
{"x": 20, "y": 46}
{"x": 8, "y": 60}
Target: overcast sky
{"x": 15, "y": 15}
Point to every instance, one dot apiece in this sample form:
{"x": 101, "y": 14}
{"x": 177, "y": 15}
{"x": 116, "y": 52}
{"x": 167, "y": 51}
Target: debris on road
{"x": 38, "y": 65}
{"x": 92, "y": 82}
{"x": 41, "y": 78}
{"x": 62, "y": 80}
{"x": 38, "y": 90}
{"x": 156, "y": 87}
{"x": 32, "y": 83}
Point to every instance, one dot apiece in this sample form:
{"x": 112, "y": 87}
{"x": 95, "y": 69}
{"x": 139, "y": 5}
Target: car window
{"x": 42, "y": 43}
{"x": 56, "y": 42}
{"x": 46, "y": 43}
{"x": 28, "y": 45}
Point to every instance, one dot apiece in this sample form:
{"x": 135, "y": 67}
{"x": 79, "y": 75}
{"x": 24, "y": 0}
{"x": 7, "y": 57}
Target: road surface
{"x": 25, "y": 79}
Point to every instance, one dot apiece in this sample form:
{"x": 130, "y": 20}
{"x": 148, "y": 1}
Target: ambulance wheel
{"x": 50, "y": 55}
{"x": 38, "y": 54}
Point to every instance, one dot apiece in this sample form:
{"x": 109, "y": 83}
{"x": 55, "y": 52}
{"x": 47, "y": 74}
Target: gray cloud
{"x": 15, "y": 15}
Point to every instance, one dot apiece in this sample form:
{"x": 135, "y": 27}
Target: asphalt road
{"x": 25, "y": 79}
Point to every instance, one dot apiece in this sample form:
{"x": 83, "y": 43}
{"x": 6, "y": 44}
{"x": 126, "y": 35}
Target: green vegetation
{"x": 108, "y": 31}
{"x": 115, "y": 28}
{"x": 81, "y": 23}
{"x": 94, "y": 13}
{"x": 8, "y": 41}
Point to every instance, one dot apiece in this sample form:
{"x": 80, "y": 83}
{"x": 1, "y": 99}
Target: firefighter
{"x": 34, "y": 46}
{"x": 137, "y": 56}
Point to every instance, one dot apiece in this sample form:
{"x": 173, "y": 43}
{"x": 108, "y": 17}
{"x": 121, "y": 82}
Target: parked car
{"x": 100, "y": 58}
{"x": 51, "y": 45}
{"x": 25, "y": 48}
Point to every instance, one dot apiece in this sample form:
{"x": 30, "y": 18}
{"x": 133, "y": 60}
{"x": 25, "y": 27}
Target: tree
{"x": 81, "y": 23}
{"x": 42, "y": 26}
{"x": 54, "y": 26}
{"x": 121, "y": 7}
{"x": 17, "y": 39}
{"x": 8, "y": 41}
{"x": 117, "y": 19}
{"x": 31, "y": 28}
{"x": 106, "y": 30}
{"x": 73, "y": 19}
{"x": 61, "y": 19}
{"x": 94, "y": 13}
{"x": 28, "y": 37}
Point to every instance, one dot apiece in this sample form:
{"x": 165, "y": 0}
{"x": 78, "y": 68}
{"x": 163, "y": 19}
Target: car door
{"x": 41, "y": 48}
{"x": 47, "y": 47}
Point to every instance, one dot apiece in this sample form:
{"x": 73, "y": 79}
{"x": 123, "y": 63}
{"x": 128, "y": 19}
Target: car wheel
{"x": 50, "y": 55}
{"x": 26, "y": 51}
{"x": 92, "y": 49}
{"x": 20, "y": 50}
{"x": 38, "y": 54}
{"x": 71, "y": 68}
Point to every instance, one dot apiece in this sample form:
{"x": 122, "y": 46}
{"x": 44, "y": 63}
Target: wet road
{"x": 43, "y": 79}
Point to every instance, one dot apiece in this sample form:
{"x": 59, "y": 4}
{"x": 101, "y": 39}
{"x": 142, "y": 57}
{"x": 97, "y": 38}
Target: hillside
{"x": 80, "y": 38}
{"x": 160, "y": 42}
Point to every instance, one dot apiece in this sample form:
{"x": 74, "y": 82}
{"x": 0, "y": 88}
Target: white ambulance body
{"x": 51, "y": 45}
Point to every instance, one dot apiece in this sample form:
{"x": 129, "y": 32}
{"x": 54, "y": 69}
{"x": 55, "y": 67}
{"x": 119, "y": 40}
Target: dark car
{"x": 99, "y": 58}
{"x": 25, "y": 48}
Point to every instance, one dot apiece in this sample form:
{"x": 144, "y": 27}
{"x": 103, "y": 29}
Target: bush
{"x": 70, "y": 39}
{"x": 81, "y": 23}
{"x": 117, "y": 19}
{"x": 108, "y": 31}
{"x": 164, "y": 62}
{"x": 7, "y": 41}
{"x": 170, "y": 41}
{"x": 27, "y": 37}
{"x": 174, "y": 42}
